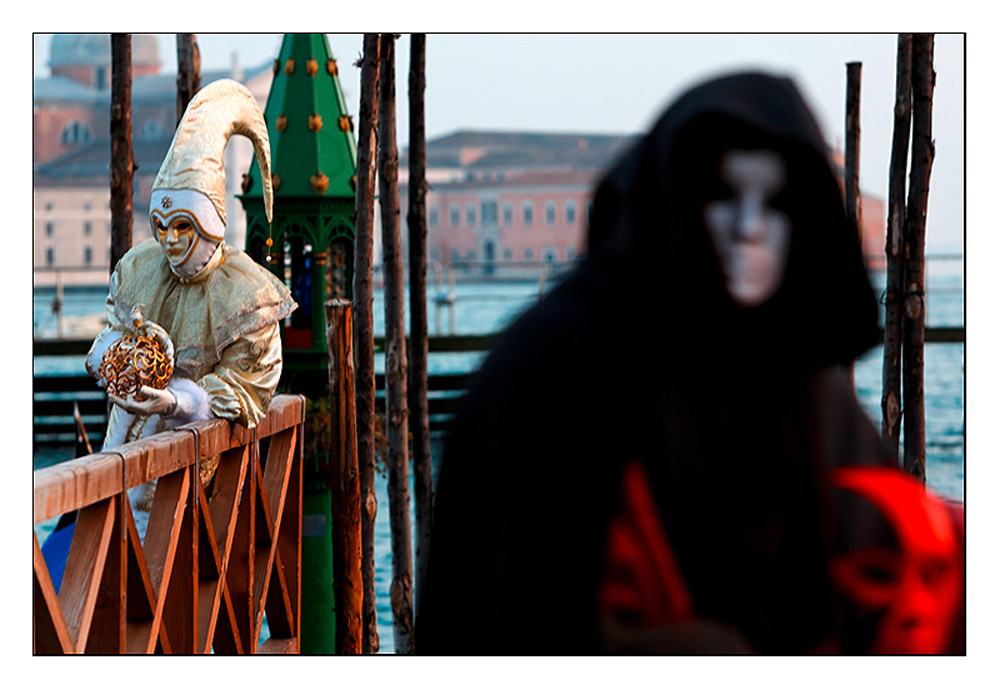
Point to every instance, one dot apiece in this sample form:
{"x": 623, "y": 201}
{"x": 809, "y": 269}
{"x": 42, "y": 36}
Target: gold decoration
{"x": 289, "y": 66}
{"x": 312, "y": 66}
{"x": 134, "y": 361}
{"x": 276, "y": 67}
{"x": 331, "y": 67}
{"x": 354, "y": 182}
{"x": 315, "y": 122}
{"x": 281, "y": 124}
{"x": 319, "y": 182}
{"x": 275, "y": 182}
{"x": 345, "y": 123}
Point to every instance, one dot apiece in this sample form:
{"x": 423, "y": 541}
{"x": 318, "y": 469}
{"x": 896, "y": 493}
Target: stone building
{"x": 72, "y": 152}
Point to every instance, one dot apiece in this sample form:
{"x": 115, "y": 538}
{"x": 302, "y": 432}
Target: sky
{"x": 620, "y": 83}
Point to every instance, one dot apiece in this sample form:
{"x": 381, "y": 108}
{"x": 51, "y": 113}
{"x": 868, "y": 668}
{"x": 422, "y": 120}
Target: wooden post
{"x": 891, "y": 405}
{"x": 852, "y": 147}
{"x": 397, "y": 431}
{"x": 345, "y": 489}
{"x": 364, "y": 339}
{"x": 417, "y": 225}
{"x": 914, "y": 308}
{"x": 122, "y": 161}
{"x": 852, "y": 155}
{"x": 188, "y": 71}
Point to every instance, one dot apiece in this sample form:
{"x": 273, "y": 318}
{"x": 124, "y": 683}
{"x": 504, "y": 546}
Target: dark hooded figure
{"x": 645, "y": 463}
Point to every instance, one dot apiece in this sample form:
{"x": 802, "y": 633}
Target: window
{"x": 488, "y": 212}
{"x": 48, "y": 229}
{"x": 528, "y": 212}
{"x": 152, "y": 130}
{"x": 570, "y": 212}
{"x": 508, "y": 254}
{"x": 508, "y": 214}
{"x": 88, "y": 256}
{"x": 550, "y": 254}
{"x": 75, "y": 133}
{"x": 87, "y": 228}
{"x": 528, "y": 254}
{"x": 470, "y": 215}
{"x": 550, "y": 213}
{"x": 433, "y": 216}
{"x": 453, "y": 213}
{"x": 49, "y": 256}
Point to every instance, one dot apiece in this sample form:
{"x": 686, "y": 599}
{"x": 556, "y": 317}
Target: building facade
{"x": 72, "y": 152}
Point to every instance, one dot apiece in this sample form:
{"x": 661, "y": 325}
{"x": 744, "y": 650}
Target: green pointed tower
{"x": 313, "y": 160}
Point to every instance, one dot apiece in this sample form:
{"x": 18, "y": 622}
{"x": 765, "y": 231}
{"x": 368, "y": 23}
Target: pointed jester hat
{"x": 192, "y": 178}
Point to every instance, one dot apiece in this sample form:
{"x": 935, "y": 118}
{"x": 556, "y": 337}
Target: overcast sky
{"x": 620, "y": 83}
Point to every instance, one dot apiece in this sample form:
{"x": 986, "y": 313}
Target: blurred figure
{"x": 646, "y": 461}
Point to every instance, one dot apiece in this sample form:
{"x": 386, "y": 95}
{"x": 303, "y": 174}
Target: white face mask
{"x": 751, "y": 237}
{"x": 187, "y": 227}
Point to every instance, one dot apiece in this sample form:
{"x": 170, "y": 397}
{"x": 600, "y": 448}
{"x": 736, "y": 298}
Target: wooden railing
{"x": 215, "y": 559}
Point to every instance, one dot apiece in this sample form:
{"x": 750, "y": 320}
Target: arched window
{"x": 75, "y": 133}
{"x": 151, "y": 130}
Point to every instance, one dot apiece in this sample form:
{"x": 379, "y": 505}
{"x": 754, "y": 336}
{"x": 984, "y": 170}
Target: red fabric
{"x": 642, "y": 580}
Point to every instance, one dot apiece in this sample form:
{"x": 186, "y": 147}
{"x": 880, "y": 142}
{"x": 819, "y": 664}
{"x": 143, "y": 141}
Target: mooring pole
{"x": 396, "y": 422}
{"x": 891, "y": 362}
{"x": 852, "y": 156}
{"x": 364, "y": 340}
{"x": 914, "y": 304}
{"x": 417, "y": 224}
{"x": 122, "y": 161}
{"x": 188, "y": 71}
{"x": 345, "y": 488}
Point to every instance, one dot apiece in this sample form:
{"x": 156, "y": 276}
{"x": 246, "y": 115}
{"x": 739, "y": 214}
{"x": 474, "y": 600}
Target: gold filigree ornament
{"x": 134, "y": 361}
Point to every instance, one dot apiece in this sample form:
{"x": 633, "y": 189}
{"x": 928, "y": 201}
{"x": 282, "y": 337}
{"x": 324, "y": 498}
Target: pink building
{"x": 504, "y": 203}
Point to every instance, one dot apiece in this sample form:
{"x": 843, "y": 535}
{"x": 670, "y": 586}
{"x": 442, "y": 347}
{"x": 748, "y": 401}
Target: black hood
{"x": 647, "y": 238}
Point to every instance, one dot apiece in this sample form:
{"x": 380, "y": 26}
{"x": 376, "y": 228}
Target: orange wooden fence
{"x": 214, "y": 560}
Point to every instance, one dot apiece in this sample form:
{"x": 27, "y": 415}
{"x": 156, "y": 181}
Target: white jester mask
{"x": 750, "y": 235}
{"x": 188, "y": 228}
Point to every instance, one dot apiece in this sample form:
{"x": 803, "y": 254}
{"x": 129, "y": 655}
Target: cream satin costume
{"x": 215, "y": 309}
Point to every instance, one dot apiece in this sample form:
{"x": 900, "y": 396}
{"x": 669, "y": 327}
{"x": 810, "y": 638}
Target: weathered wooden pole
{"x": 891, "y": 362}
{"x": 188, "y": 71}
{"x": 852, "y": 154}
{"x": 397, "y": 429}
{"x": 417, "y": 225}
{"x": 122, "y": 160}
{"x": 914, "y": 304}
{"x": 852, "y": 147}
{"x": 345, "y": 487}
{"x": 364, "y": 339}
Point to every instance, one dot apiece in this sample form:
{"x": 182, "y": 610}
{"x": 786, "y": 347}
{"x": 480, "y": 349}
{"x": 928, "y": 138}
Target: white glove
{"x": 156, "y": 402}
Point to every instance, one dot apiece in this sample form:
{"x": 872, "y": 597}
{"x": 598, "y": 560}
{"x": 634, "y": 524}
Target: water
{"x": 487, "y": 308}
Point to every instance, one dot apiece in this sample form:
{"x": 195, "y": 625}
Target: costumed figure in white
{"x": 211, "y": 312}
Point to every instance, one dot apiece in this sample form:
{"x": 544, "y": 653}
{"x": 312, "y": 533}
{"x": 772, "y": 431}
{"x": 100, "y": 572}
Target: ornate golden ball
{"x": 134, "y": 361}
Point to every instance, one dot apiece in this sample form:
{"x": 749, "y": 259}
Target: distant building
{"x": 72, "y": 152}
{"x": 499, "y": 203}
{"x": 504, "y": 203}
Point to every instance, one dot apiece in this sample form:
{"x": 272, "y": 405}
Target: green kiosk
{"x": 311, "y": 249}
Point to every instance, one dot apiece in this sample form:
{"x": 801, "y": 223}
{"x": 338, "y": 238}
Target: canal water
{"x": 486, "y": 308}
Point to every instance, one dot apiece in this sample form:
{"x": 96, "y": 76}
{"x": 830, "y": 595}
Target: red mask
{"x": 917, "y": 588}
